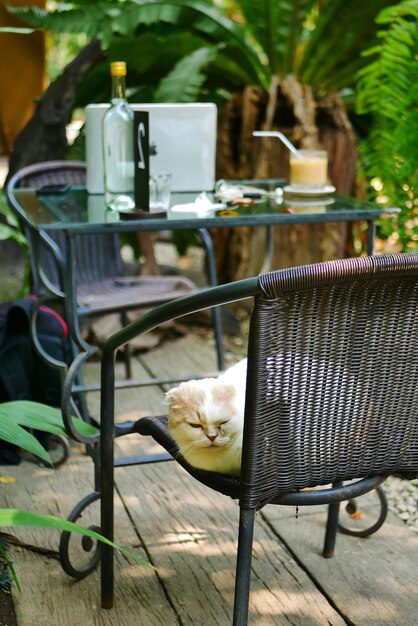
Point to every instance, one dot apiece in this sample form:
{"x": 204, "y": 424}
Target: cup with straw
{"x": 307, "y": 168}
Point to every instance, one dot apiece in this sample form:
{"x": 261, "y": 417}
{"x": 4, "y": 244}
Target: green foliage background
{"x": 387, "y": 91}
{"x": 188, "y": 50}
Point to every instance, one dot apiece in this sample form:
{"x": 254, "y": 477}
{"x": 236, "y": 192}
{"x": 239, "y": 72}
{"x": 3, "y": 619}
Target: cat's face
{"x": 205, "y": 419}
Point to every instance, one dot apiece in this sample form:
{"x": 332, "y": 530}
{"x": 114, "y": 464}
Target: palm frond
{"x": 277, "y": 26}
{"x": 343, "y": 29}
{"x": 89, "y": 19}
{"x": 112, "y": 20}
{"x": 207, "y": 22}
{"x": 395, "y": 11}
{"x": 387, "y": 91}
{"x": 185, "y": 80}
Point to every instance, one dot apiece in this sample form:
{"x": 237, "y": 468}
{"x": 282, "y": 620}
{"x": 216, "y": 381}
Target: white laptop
{"x": 182, "y": 141}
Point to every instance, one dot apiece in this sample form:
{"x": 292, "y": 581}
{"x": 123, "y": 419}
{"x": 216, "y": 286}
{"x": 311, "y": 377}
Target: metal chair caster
{"x": 363, "y": 516}
{"x": 77, "y": 562}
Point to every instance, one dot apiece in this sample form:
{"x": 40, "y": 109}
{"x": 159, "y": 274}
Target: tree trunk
{"x": 291, "y": 108}
{"x": 44, "y": 136}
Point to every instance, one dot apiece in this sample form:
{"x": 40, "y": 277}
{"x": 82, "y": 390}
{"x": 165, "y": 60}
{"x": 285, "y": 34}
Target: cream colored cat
{"x": 206, "y": 419}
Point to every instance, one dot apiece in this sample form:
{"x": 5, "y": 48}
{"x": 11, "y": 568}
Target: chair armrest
{"x": 197, "y": 301}
{"x": 206, "y": 298}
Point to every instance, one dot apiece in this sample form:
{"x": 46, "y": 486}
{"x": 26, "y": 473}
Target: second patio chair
{"x": 101, "y": 286}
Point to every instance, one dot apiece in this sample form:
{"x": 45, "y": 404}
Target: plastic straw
{"x": 283, "y": 138}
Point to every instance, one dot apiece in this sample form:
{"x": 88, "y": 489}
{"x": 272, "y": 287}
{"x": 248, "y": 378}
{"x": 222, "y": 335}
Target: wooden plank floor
{"x": 189, "y": 533}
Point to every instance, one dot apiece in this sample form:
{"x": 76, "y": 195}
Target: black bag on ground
{"x": 24, "y": 375}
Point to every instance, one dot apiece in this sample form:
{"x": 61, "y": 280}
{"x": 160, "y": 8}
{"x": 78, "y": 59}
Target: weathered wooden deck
{"x": 189, "y": 534}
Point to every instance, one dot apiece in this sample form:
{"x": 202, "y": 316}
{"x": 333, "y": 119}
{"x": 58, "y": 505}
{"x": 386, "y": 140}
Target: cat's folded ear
{"x": 172, "y": 395}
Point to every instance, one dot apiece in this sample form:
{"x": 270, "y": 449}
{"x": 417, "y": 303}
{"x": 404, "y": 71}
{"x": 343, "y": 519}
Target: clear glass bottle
{"x": 118, "y": 144}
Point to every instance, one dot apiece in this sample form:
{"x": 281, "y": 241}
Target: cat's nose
{"x": 212, "y": 437}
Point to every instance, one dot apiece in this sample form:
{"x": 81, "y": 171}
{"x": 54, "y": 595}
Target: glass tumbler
{"x": 309, "y": 168}
{"x": 159, "y": 191}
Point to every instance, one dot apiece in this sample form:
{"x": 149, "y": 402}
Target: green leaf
{"x": 18, "y": 31}
{"x": 11, "y": 432}
{"x": 208, "y": 22}
{"x": 94, "y": 20}
{"x": 184, "y": 82}
{"x": 7, "y": 211}
{"x": 400, "y": 9}
{"x": 10, "y": 567}
{"x": 343, "y": 29}
{"x": 6, "y": 233}
{"x": 277, "y": 26}
{"x": 41, "y": 417}
{"x": 16, "y": 517}
{"x": 387, "y": 93}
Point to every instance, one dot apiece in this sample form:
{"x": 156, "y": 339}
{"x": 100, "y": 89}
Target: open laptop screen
{"x": 182, "y": 141}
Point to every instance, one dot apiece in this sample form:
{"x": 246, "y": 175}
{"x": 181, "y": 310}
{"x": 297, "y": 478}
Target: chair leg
{"x": 213, "y": 281}
{"x": 331, "y": 528}
{"x": 107, "y": 530}
{"x": 243, "y": 569}
{"x": 105, "y": 477}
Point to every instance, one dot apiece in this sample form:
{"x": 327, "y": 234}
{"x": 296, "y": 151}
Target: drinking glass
{"x": 309, "y": 168}
{"x": 159, "y": 191}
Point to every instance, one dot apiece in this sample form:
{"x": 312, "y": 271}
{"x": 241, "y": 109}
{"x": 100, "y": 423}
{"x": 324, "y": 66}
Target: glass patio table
{"x": 75, "y": 212}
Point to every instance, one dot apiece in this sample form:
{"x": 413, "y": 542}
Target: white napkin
{"x": 201, "y": 206}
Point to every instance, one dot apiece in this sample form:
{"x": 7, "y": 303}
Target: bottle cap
{"x": 118, "y": 68}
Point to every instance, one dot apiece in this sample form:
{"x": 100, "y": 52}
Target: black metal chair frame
{"x": 98, "y": 272}
{"x": 326, "y": 343}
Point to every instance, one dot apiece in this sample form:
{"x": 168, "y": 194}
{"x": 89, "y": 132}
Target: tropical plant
{"x": 137, "y": 30}
{"x": 15, "y": 417}
{"x": 10, "y": 231}
{"x": 275, "y": 64}
{"x": 253, "y": 43}
{"x": 9, "y": 227}
{"x": 387, "y": 92}
{"x": 18, "y": 415}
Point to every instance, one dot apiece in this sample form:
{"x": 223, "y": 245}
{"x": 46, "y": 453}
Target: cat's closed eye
{"x": 195, "y": 425}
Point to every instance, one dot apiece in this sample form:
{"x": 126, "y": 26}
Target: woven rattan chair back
{"x": 333, "y": 365}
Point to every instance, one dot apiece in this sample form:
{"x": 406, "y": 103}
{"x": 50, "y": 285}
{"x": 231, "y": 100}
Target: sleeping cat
{"x": 206, "y": 419}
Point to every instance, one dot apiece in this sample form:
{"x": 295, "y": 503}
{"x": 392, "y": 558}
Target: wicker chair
{"x": 101, "y": 288}
{"x": 331, "y": 394}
